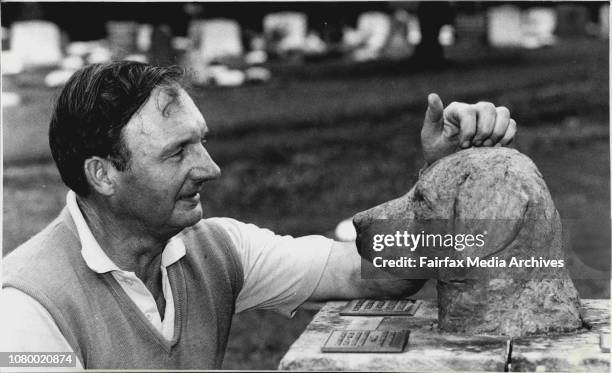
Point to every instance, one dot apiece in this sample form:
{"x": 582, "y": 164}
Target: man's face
{"x": 167, "y": 166}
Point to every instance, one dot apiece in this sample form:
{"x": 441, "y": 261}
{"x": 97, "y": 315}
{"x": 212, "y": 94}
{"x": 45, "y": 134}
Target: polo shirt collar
{"x": 96, "y": 259}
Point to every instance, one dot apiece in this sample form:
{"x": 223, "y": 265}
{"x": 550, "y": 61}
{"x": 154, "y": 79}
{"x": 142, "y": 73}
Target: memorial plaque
{"x": 373, "y": 307}
{"x": 366, "y": 341}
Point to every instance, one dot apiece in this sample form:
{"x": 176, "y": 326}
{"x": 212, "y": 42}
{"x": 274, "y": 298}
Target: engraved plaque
{"x": 366, "y": 341}
{"x": 373, "y": 307}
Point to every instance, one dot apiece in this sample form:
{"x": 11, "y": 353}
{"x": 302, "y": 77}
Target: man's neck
{"x": 129, "y": 246}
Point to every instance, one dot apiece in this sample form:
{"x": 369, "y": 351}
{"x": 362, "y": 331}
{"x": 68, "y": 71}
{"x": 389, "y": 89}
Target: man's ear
{"x": 97, "y": 171}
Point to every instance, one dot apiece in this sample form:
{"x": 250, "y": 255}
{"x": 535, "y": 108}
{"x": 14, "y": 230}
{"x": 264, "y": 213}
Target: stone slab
{"x": 427, "y": 349}
{"x": 430, "y": 350}
{"x": 573, "y": 352}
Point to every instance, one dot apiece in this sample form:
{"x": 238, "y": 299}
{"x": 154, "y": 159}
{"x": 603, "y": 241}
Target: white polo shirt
{"x": 280, "y": 273}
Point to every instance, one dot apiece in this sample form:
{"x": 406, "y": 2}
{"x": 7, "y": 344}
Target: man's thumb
{"x": 434, "y": 116}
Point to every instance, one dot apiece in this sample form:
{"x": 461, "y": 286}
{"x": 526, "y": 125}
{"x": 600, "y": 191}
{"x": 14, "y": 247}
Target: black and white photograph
{"x": 305, "y": 186}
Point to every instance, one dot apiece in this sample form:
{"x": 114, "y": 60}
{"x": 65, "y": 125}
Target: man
{"x": 129, "y": 275}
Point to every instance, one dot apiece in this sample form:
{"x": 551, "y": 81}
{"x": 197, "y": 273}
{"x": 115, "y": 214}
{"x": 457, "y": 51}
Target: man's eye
{"x": 178, "y": 153}
{"x": 203, "y": 141}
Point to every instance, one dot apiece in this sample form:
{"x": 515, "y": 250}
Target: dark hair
{"x": 93, "y": 108}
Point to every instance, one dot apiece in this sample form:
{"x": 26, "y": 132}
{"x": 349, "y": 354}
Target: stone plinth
{"x": 431, "y": 350}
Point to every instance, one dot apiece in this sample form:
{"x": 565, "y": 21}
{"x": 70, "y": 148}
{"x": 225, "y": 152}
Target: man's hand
{"x": 461, "y": 126}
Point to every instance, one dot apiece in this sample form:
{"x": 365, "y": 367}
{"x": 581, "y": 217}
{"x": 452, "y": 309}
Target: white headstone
{"x": 58, "y": 78}
{"x": 538, "y": 27}
{"x": 216, "y": 38}
{"x": 414, "y": 29}
{"x": 37, "y": 43}
{"x": 446, "y": 37}
{"x": 11, "y": 63}
{"x": 377, "y": 27}
{"x": 397, "y": 44}
{"x": 143, "y": 37}
{"x": 72, "y": 62}
{"x": 604, "y": 20}
{"x": 10, "y": 99}
{"x": 504, "y": 26}
{"x": 291, "y": 26}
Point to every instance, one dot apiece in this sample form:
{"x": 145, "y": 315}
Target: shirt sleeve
{"x": 280, "y": 272}
{"x": 28, "y": 327}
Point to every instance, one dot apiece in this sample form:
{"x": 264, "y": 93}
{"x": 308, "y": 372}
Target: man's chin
{"x": 188, "y": 218}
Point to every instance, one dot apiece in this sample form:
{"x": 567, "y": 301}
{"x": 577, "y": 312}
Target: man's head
{"x": 128, "y": 134}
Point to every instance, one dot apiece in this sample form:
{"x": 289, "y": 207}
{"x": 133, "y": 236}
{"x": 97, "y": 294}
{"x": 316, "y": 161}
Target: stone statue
{"x": 501, "y": 191}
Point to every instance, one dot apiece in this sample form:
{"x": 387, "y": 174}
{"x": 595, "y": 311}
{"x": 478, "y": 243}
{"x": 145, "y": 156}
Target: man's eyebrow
{"x": 175, "y": 145}
{"x": 182, "y": 142}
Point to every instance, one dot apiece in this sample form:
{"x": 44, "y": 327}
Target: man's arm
{"x": 341, "y": 278}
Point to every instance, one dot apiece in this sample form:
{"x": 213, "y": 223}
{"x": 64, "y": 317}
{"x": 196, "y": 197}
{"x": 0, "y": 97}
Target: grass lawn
{"x": 300, "y": 154}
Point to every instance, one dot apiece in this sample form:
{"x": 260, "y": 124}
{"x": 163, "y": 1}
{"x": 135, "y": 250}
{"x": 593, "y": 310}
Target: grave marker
{"x": 504, "y": 27}
{"x": 289, "y": 27}
{"x": 36, "y": 43}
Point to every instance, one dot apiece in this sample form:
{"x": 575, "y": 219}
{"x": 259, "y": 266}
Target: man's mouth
{"x": 192, "y": 198}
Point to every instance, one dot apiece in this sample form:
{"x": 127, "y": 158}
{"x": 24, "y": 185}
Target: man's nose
{"x": 205, "y": 169}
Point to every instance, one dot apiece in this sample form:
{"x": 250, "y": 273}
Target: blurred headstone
{"x": 376, "y": 26}
{"x": 78, "y": 48}
{"x": 571, "y": 19}
{"x": 143, "y": 38}
{"x": 37, "y": 43}
{"x": 223, "y": 76}
{"x": 122, "y": 37}
{"x": 397, "y": 45}
{"x": 257, "y": 74}
{"x": 215, "y": 38}
{"x": 604, "y": 20}
{"x": 352, "y": 38}
{"x": 72, "y": 62}
{"x": 58, "y": 78}
{"x": 10, "y": 99}
{"x": 538, "y": 27}
{"x": 414, "y": 29}
{"x": 136, "y": 57}
{"x": 180, "y": 43}
{"x": 99, "y": 54}
{"x": 313, "y": 44}
{"x": 471, "y": 29}
{"x": 161, "y": 52}
{"x": 5, "y": 39}
{"x": 504, "y": 26}
{"x": 11, "y": 63}
{"x": 447, "y": 35}
{"x": 285, "y": 31}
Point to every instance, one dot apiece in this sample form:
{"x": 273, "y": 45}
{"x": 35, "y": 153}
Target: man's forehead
{"x": 168, "y": 111}
{"x": 168, "y": 102}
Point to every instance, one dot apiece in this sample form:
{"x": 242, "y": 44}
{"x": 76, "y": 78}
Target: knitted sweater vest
{"x": 104, "y": 327}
